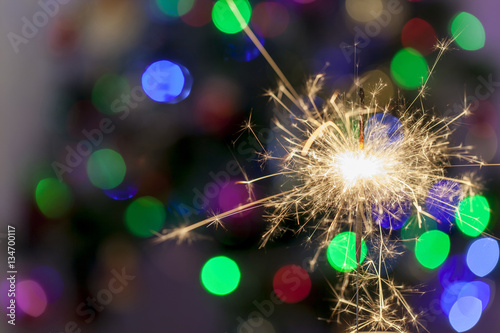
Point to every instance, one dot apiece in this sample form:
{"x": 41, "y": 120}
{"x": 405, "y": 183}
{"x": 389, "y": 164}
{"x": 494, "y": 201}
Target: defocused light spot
{"x": 473, "y": 215}
{"x": 482, "y": 256}
{"x": 364, "y": 10}
{"x": 50, "y": 280}
{"x": 106, "y": 169}
{"x": 465, "y": 313}
{"x": 468, "y": 31}
{"x": 144, "y": 216}
{"x": 432, "y": 248}
{"x": 122, "y": 191}
{"x": 166, "y": 82}
{"x": 341, "y": 252}
{"x": 478, "y": 289}
{"x": 231, "y": 196}
{"x": 455, "y": 270}
{"x": 53, "y": 198}
{"x": 107, "y": 90}
{"x": 380, "y": 82}
{"x": 175, "y": 7}
{"x": 409, "y": 68}
{"x": 412, "y": 229}
{"x": 31, "y": 298}
{"x": 111, "y": 28}
{"x": 220, "y": 275}
{"x": 383, "y": 128}
{"x": 450, "y": 296}
{"x": 225, "y": 19}
{"x": 292, "y": 283}
{"x": 304, "y": 1}
{"x": 241, "y": 48}
{"x": 442, "y": 201}
{"x": 392, "y": 215}
{"x": 199, "y": 15}
{"x": 419, "y": 35}
{"x": 217, "y": 104}
{"x": 270, "y": 19}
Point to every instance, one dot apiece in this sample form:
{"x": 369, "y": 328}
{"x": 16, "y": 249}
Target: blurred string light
{"x": 378, "y": 80}
{"x": 270, "y": 19}
{"x": 469, "y": 31}
{"x": 53, "y": 197}
{"x": 225, "y": 20}
{"x": 106, "y": 169}
{"x": 166, "y": 82}
{"x": 31, "y": 298}
{"x": 473, "y": 215}
{"x": 108, "y": 89}
{"x": 145, "y": 216}
{"x": 432, "y": 248}
{"x": 292, "y": 284}
{"x": 220, "y": 275}
{"x": 409, "y": 69}
{"x": 419, "y": 35}
{"x": 341, "y": 253}
{"x": 482, "y": 256}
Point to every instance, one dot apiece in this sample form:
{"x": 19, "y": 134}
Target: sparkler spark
{"x": 339, "y": 169}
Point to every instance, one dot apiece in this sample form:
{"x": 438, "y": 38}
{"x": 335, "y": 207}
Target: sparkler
{"x": 346, "y": 162}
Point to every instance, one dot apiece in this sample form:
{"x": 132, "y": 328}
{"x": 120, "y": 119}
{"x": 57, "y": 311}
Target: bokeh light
{"x": 414, "y": 227}
{"x": 384, "y": 127}
{"x": 468, "y": 31}
{"x": 106, "y": 168}
{"x": 432, "y": 248}
{"x": 122, "y": 191}
{"x": 166, "y": 82}
{"x": 454, "y": 270}
{"x": 241, "y": 48}
{"x": 144, "y": 216}
{"x": 175, "y": 7}
{"x": 377, "y": 80}
{"x": 50, "y": 280}
{"x": 450, "y": 296}
{"x": 270, "y": 19}
{"x": 53, "y": 197}
{"x": 107, "y": 90}
{"x": 364, "y": 10}
{"x": 341, "y": 252}
{"x": 478, "y": 289}
{"x": 465, "y": 313}
{"x": 220, "y": 275}
{"x": 442, "y": 200}
{"x": 482, "y": 256}
{"x": 292, "y": 283}
{"x": 224, "y": 18}
{"x": 200, "y": 13}
{"x": 473, "y": 215}
{"x": 419, "y": 35}
{"x": 31, "y": 298}
{"x": 392, "y": 215}
{"x": 409, "y": 68}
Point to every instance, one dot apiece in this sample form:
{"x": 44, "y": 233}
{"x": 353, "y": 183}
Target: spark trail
{"x": 345, "y": 160}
